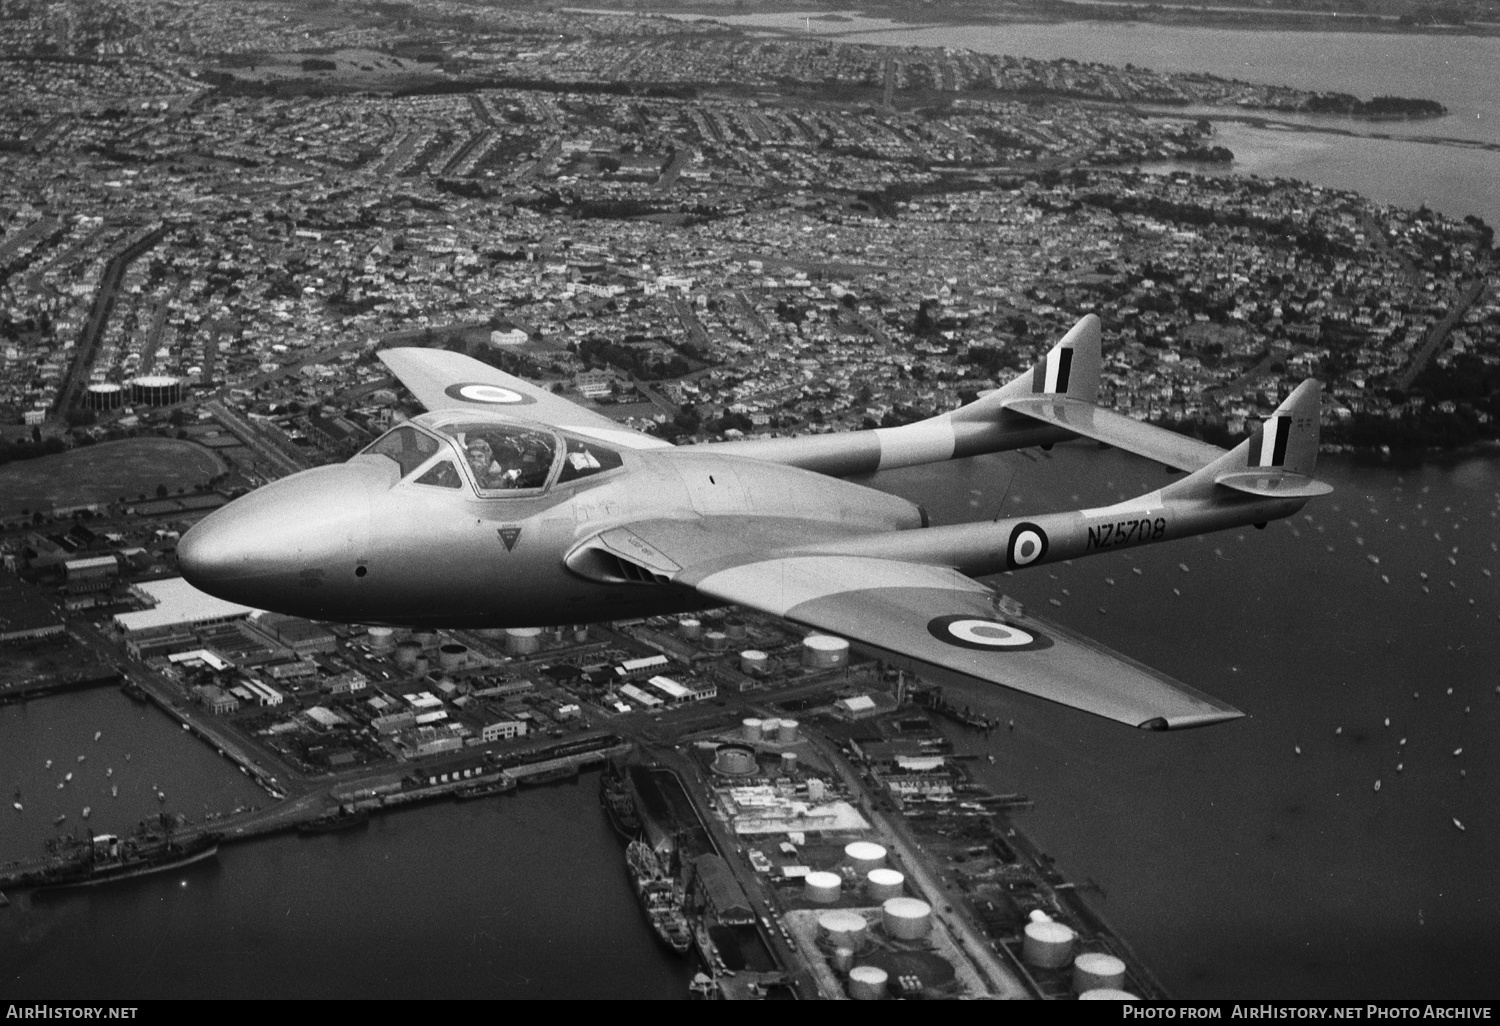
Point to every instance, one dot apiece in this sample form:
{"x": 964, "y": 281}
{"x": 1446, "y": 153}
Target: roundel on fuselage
{"x": 1028, "y": 544}
{"x": 486, "y": 395}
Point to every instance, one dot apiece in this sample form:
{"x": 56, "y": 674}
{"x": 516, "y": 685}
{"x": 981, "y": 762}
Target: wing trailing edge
{"x": 936, "y": 615}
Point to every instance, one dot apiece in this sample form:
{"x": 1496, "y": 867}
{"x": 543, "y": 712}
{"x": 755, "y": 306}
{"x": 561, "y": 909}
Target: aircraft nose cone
{"x": 300, "y": 531}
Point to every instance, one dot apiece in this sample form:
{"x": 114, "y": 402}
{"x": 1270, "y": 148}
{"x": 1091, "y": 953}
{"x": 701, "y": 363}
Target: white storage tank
{"x": 1107, "y": 994}
{"x": 867, "y": 983}
{"x": 788, "y": 763}
{"x": 751, "y": 729}
{"x": 864, "y": 855}
{"x": 823, "y": 652}
{"x": 715, "y": 641}
{"x": 843, "y": 928}
{"x": 843, "y": 959}
{"x": 453, "y": 656}
{"x": 770, "y": 730}
{"x": 522, "y": 641}
{"x": 754, "y": 662}
{"x": 1048, "y": 945}
{"x": 788, "y": 732}
{"x": 884, "y": 884}
{"x": 407, "y": 652}
{"x": 691, "y": 629}
{"x": 1097, "y": 971}
{"x": 906, "y": 918}
{"x": 822, "y": 888}
{"x": 382, "y": 639}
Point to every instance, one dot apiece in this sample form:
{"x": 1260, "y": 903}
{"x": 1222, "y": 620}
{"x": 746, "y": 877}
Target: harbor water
{"x": 1308, "y": 850}
{"x": 1438, "y": 162}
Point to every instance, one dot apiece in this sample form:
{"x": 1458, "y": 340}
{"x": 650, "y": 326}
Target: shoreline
{"x": 905, "y": 19}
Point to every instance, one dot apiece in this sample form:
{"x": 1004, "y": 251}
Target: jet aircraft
{"x": 505, "y": 505}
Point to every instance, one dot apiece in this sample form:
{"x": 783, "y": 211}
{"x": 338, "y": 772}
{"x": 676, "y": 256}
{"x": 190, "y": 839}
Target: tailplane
{"x": 1276, "y": 461}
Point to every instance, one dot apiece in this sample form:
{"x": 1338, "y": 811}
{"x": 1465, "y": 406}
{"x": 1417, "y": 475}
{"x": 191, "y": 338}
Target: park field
{"x": 131, "y": 469}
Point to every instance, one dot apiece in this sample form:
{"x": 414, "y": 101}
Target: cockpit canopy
{"x": 492, "y": 458}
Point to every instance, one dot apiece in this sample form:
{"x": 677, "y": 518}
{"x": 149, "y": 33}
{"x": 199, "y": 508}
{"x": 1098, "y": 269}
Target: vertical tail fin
{"x": 1278, "y": 458}
{"x": 1070, "y": 368}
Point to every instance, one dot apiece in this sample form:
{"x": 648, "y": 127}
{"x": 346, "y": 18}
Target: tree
{"x": 161, "y": 491}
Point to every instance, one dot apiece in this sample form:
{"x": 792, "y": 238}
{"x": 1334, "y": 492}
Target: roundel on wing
{"x": 1028, "y": 544}
{"x": 986, "y": 634}
{"x": 486, "y": 395}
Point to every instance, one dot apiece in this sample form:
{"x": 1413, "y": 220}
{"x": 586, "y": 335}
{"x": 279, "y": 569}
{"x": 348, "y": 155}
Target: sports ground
{"x": 128, "y": 469}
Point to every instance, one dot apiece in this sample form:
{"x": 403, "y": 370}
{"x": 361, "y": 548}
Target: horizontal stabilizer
{"x": 938, "y": 616}
{"x": 1127, "y": 433}
{"x": 1274, "y": 486}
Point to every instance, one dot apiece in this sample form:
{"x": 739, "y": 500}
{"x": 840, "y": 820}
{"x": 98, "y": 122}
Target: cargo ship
{"x": 107, "y": 858}
{"x": 661, "y": 897}
{"x": 342, "y": 818}
{"x": 619, "y": 805}
{"x": 500, "y": 785}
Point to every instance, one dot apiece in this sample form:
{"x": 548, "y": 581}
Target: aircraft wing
{"x": 442, "y": 380}
{"x": 937, "y": 615}
{"x": 1116, "y": 429}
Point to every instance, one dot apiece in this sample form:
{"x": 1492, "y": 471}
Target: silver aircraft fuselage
{"x": 358, "y": 543}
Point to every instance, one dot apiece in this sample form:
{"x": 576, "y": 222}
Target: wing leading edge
{"x": 937, "y": 615}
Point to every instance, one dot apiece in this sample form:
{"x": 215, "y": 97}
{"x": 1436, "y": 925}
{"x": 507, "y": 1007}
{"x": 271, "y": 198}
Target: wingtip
{"x": 1190, "y": 720}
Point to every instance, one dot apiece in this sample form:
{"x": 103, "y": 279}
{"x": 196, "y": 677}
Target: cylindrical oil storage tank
{"x": 734, "y": 628}
{"x": 823, "y": 652}
{"x": 788, "y": 763}
{"x": 422, "y": 665}
{"x": 1107, "y": 994}
{"x": 523, "y": 641}
{"x": 864, "y": 855}
{"x": 105, "y": 396}
{"x": 382, "y": 639}
{"x": 867, "y": 983}
{"x": 843, "y": 928}
{"x": 883, "y": 884}
{"x": 426, "y": 637}
{"x": 788, "y": 732}
{"x": 735, "y": 760}
{"x": 453, "y": 656}
{"x": 770, "y": 729}
{"x": 691, "y": 629}
{"x": 581, "y": 633}
{"x": 407, "y": 652}
{"x": 906, "y": 918}
{"x": 715, "y": 641}
{"x": 822, "y": 888}
{"x": 843, "y": 959}
{"x": 491, "y": 633}
{"x": 155, "y": 390}
{"x": 751, "y": 729}
{"x": 754, "y": 662}
{"x": 1097, "y": 971}
{"x": 1048, "y": 945}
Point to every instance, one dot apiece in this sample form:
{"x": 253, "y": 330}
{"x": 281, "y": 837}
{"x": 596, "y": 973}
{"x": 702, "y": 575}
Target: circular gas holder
{"x": 986, "y": 634}
{"x": 487, "y": 395}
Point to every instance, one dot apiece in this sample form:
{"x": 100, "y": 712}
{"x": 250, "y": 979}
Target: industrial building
{"x": 95, "y": 573}
{"x": 174, "y": 604}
